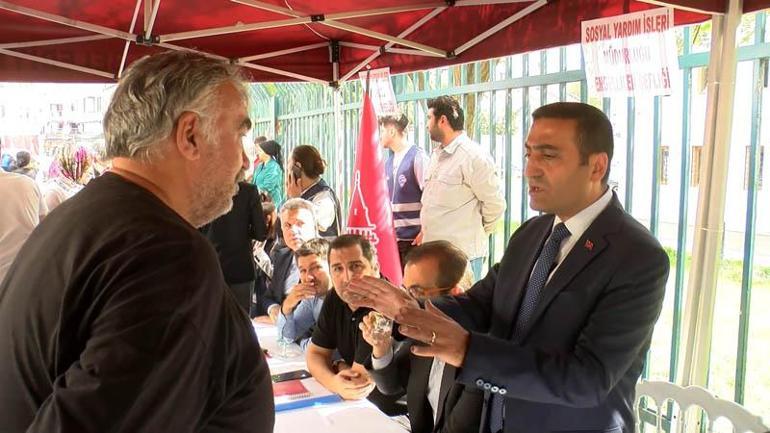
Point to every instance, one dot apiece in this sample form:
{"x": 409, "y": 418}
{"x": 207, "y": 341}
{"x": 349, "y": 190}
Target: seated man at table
{"x": 297, "y": 225}
{"x": 299, "y": 311}
{"x": 350, "y": 256}
{"x": 435, "y": 402}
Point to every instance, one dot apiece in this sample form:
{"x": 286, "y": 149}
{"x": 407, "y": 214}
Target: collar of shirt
{"x": 311, "y": 185}
{"x": 578, "y": 224}
{"x": 454, "y": 144}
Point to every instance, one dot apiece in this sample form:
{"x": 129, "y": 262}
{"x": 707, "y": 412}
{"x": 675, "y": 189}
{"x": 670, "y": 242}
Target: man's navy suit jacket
{"x": 282, "y": 258}
{"x": 578, "y": 362}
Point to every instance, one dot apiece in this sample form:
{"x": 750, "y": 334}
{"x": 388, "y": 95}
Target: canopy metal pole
{"x": 128, "y": 44}
{"x": 66, "y": 21}
{"x": 238, "y": 28}
{"x": 284, "y": 52}
{"x": 57, "y": 63}
{"x": 282, "y": 72}
{"x": 709, "y": 224}
{"x": 297, "y": 18}
{"x": 499, "y": 26}
{"x": 245, "y": 64}
{"x": 383, "y": 37}
{"x": 341, "y": 15}
{"x": 59, "y": 41}
{"x": 432, "y": 14}
{"x": 153, "y": 15}
{"x": 192, "y": 50}
{"x": 389, "y": 50}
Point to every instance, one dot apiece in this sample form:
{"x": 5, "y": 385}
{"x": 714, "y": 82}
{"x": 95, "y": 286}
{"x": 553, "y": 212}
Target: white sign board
{"x": 380, "y": 90}
{"x": 630, "y": 55}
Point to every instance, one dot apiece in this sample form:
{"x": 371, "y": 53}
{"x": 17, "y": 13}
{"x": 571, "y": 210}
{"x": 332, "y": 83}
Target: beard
{"x": 213, "y": 195}
{"x": 436, "y": 135}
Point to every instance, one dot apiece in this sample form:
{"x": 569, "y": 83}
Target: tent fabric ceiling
{"x": 549, "y": 24}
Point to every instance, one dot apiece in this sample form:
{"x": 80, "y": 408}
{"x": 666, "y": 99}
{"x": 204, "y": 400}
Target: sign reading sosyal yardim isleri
{"x": 630, "y": 55}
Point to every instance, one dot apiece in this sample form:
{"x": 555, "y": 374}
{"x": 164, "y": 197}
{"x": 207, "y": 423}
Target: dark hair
{"x": 259, "y": 140}
{"x": 594, "y": 130}
{"x": 314, "y": 247}
{"x": 449, "y": 107}
{"x": 400, "y": 122}
{"x": 22, "y": 158}
{"x": 309, "y": 160}
{"x": 346, "y": 241}
{"x": 451, "y": 260}
{"x": 272, "y": 148}
{"x": 268, "y": 207}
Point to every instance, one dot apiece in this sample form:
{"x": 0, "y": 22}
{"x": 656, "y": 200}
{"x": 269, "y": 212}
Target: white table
{"x": 344, "y": 417}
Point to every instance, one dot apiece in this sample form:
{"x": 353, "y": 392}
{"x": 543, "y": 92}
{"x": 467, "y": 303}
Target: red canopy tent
{"x": 277, "y": 40}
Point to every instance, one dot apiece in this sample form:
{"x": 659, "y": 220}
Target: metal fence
{"x": 655, "y": 171}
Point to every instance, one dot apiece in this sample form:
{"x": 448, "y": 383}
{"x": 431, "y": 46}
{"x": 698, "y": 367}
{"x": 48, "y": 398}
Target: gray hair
{"x": 298, "y": 203}
{"x": 152, "y": 95}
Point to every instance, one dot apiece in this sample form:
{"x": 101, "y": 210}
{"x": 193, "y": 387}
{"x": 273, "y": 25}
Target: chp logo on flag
{"x": 358, "y": 221}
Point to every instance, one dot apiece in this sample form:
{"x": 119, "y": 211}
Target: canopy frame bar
{"x": 127, "y": 45}
{"x": 66, "y": 21}
{"x": 57, "y": 63}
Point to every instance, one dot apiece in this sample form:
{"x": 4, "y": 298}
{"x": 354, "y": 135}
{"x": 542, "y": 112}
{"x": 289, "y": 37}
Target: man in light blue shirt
{"x": 302, "y": 306}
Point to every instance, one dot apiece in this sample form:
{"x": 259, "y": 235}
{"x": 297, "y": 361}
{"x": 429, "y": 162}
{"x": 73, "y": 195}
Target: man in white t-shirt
{"x": 23, "y": 207}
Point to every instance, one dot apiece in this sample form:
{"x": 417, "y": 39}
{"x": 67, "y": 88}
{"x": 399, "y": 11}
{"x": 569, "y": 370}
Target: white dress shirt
{"x": 434, "y": 377}
{"x": 578, "y": 224}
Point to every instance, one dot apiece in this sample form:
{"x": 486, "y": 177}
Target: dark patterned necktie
{"x": 543, "y": 267}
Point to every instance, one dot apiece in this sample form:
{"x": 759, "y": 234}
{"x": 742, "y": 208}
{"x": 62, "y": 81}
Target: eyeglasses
{"x": 424, "y": 292}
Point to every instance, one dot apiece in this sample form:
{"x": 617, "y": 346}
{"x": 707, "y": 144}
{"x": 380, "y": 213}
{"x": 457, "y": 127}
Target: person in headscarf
{"x": 67, "y": 175}
{"x": 268, "y": 174}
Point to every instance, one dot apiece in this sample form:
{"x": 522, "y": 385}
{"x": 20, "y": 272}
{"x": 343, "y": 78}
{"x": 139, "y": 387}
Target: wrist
{"x": 380, "y": 350}
{"x": 287, "y": 308}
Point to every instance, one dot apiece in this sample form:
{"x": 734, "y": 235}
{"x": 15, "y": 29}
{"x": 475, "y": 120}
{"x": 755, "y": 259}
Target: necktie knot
{"x": 559, "y": 233}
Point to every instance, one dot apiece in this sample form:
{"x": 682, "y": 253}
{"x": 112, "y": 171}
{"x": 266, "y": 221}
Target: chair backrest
{"x": 742, "y": 420}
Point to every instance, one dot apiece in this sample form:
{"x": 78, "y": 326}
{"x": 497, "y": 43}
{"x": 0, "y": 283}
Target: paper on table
{"x": 345, "y": 417}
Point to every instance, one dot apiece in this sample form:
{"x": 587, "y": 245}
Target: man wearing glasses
{"x": 432, "y": 269}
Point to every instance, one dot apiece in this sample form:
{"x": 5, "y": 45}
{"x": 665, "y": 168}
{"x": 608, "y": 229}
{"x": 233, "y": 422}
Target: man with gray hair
{"x": 115, "y": 315}
{"x": 298, "y": 225}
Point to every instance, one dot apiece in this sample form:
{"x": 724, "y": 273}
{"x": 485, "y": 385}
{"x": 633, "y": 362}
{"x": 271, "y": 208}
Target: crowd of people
{"x": 131, "y": 306}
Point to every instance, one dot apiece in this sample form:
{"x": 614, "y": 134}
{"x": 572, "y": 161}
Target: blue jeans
{"x": 476, "y": 265}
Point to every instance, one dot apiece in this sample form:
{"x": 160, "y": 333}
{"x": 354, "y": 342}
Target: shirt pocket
{"x": 446, "y": 190}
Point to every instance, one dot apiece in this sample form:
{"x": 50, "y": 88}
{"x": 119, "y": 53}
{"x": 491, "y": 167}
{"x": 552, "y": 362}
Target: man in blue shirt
{"x": 300, "y": 310}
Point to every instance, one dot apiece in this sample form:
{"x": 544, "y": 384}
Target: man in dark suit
{"x": 298, "y": 226}
{"x": 568, "y": 314}
{"x": 434, "y": 401}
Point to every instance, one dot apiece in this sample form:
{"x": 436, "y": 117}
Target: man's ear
{"x": 599, "y": 163}
{"x": 188, "y": 132}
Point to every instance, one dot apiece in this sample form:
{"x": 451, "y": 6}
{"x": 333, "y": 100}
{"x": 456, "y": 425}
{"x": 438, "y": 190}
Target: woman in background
{"x": 268, "y": 174}
{"x": 304, "y": 180}
{"x": 67, "y": 175}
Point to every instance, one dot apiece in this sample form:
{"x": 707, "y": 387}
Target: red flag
{"x": 370, "y": 214}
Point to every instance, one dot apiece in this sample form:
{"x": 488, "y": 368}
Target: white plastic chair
{"x": 742, "y": 420}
